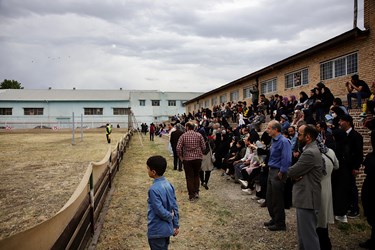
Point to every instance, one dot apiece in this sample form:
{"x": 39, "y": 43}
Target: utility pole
{"x": 355, "y": 14}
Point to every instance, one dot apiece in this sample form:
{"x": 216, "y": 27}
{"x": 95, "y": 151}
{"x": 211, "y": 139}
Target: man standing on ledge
{"x": 279, "y": 162}
{"x": 190, "y": 148}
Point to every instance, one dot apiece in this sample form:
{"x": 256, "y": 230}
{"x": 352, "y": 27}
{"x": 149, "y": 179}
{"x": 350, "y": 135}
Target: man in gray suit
{"x": 307, "y": 173}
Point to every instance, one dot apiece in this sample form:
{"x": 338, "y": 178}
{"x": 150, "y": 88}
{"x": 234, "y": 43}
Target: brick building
{"x": 332, "y": 62}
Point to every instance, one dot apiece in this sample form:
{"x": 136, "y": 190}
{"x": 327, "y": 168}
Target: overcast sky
{"x": 189, "y": 45}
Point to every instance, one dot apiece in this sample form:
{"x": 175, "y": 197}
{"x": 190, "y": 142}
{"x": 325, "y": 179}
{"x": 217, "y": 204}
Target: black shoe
{"x": 269, "y": 223}
{"x": 205, "y": 186}
{"x": 353, "y": 214}
{"x": 180, "y": 169}
{"x": 277, "y": 228}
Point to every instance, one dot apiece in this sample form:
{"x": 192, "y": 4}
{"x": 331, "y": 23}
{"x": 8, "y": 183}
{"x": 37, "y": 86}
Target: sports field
{"x": 40, "y": 169}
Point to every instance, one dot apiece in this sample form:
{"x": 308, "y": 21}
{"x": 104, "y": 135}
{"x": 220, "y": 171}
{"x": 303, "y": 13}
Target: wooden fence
{"x": 73, "y": 226}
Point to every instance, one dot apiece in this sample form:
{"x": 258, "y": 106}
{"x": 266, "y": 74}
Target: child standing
{"x": 162, "y": 214}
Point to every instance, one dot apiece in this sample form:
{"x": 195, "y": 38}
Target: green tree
{"x": 10, "y": 84}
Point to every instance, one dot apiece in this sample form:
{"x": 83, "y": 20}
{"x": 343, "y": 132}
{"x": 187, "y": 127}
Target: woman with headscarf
{"x": 325, "y": 216}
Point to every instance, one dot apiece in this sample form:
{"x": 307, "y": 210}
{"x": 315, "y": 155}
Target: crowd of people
{"x": 308, "y": 156}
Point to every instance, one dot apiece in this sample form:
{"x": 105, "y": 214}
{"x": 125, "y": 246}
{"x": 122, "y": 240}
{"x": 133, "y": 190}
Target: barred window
{"x": 93, "y": 111}
{"x": 297, "y": 78}
{"x": 223, "y": 98}
{"x": 142, "y": 102}
{"x": 214, "y": 101}
{"x": 206, "y": 103}
{"x": 5, "y": 111}
{"x": 234, "y": 96}
{"x": 268, "y": 86}
{"x": 246, "y": 93}
{"x": 155, "y": 102}
{"x": 342, "y": 66}
{"x": 171, "y": 103}
{"x": 121, "y": 111}
{"x": 33, "y": 111}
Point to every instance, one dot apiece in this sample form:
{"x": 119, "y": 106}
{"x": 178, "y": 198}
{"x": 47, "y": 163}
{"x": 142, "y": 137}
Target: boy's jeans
{"x": 159, "y": 243}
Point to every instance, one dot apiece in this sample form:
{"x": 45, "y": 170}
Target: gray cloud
{"x": 192, "y": 46}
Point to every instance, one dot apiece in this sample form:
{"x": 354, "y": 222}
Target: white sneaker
{"x": 342, "y": 219}
{"x": 243, "y": 183}
{"x": 260, "y": 201}
{"x": 254, "y": 197}
{"x": 247, "y": 191}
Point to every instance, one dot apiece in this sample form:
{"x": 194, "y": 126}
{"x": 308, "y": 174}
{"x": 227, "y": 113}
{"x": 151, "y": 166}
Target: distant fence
{"x": 73, "y": 226}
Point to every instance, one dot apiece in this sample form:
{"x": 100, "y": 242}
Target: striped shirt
{"x": 191, "y": 146}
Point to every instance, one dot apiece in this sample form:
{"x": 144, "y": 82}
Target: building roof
{"x": 353, "y": 34}
{"x": 89, "y": 95}
{"x": 62, "y": 95}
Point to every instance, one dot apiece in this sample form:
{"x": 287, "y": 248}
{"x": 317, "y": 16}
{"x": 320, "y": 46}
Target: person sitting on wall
{"x": 361, "y": 88}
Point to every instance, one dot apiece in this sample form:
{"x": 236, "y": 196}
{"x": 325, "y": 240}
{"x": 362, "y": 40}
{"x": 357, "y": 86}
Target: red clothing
{"x": 191, "y": 146}
{"x": 152, "y": 128}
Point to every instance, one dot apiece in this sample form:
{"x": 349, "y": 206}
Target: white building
{"x": 29, "y": 108}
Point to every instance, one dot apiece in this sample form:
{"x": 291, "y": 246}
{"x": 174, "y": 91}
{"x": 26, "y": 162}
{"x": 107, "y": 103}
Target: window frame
{"x": 122, "y": 111}
{"x": 93, "y": 111}
{"x": 302, "y": 74}
{"x": 36, "y": 111}
{"x": 340, "y": 66}
{"x": 172, "y": 103}
{"x": 234, "y": 96}
{"x": 6, "y": 111}
{"x": 155, "y": 103}
{"x": 142, "y": 103}
{"x": 267, "y": 83}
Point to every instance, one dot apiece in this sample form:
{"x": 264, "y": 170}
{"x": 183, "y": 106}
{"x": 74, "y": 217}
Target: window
{"x": 33, "y": 111}
{"x": 246, "y": 93}
{"x": 5, "y": 111}
{"x": 234, "y": 96}
{"x": 93, "y": 111}
{"x": 142, "y": 102}
{"x": 214, "y": 101}
{"x": 342, "y": 66}
{"x": 223, "y": 98}
{"x": 121, "y": 111}
{"x": 171, "y": 103}
{"x": 206, "y": 103}
{"x": 155, "y": 102}
{"x": 268, "y": 86}
{"x": 297, "y": 78}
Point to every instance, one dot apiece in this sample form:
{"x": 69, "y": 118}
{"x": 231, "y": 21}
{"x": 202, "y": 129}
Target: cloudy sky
{"x": 189, "y": 45}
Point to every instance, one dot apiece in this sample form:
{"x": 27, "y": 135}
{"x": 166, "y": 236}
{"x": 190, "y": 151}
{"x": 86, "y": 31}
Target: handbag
{"x": 213, "y": 158}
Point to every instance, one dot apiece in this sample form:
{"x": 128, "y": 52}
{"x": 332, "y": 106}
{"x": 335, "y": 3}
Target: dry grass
{"x": 223, "y": 218}
{"x": 39, "y": 171}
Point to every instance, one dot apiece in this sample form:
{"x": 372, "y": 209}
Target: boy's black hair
{"x": 157, "y": 163}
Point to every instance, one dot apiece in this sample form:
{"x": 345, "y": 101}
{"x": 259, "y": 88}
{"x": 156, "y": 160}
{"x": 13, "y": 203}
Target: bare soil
{"x": 39, "y": 171}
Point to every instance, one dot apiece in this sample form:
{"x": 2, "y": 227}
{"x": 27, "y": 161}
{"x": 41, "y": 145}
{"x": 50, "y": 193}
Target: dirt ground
{"x": 223, "y": 217}
{"x": 40, "y": 170}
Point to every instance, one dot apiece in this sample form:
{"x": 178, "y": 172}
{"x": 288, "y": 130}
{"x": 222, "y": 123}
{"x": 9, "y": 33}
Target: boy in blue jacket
{"x": 162, "y": 214}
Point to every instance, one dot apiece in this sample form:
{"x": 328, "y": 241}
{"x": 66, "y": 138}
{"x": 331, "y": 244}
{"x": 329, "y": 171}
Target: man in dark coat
{"x": 175, "y": 135}
{"x": 351, "y": 160}
{"x": 368, "y": 189}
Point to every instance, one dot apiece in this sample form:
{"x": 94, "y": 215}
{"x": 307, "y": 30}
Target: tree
{"x": 10, "y": 84}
